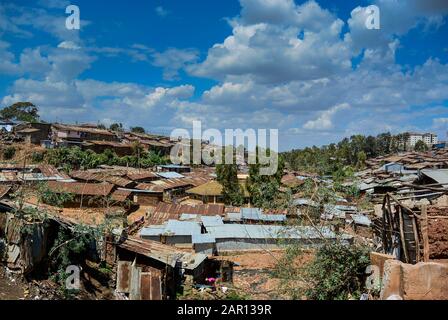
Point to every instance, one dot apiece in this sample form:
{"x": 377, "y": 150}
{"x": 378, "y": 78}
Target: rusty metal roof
{"x": 142, "y": 175}
{"x": 121, "y": 195}
{"x": 162, "y": 185}
{"x": 90, "y": 189}
{"x": 4, "y": 190}
{"x": 65, "y": 127}
{"x": 166, "y": 211}
{"x": 163, "y": 253}
{"x": 102, "y": 176}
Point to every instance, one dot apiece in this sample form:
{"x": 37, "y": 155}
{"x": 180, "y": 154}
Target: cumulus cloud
{"x": 284, "y": 65}
{"x": 276, "y": 41}
{"x": 172, "y": 60}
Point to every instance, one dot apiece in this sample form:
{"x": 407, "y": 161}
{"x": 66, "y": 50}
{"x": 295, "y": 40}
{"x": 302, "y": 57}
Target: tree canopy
{"x": 137, "y": 129}
{"x": 20, "y": 111}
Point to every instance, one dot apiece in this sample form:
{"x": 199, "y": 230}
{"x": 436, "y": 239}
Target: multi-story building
{"x": 428, "y": 138}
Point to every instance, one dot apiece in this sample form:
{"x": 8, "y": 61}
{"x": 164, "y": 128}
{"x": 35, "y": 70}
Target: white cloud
{"x": 324, "y": 121}
{"x": 172, "y": 60}
{"x": 69, "y": 45}
{"x": 268, "y": 49}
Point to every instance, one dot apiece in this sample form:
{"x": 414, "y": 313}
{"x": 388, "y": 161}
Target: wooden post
{"x": 417, "y": 241}
{"x": 403, "y": 239}
{"x": 424, "y": 224}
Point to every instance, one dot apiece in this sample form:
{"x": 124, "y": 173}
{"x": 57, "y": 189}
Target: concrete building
{"x": 428, "y": 138}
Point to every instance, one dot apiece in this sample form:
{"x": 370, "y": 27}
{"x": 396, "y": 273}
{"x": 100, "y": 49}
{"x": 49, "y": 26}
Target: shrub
{"x": 9, "y": 153}
{"x": 37, "y": 157}
{"x": 337, "y": 272}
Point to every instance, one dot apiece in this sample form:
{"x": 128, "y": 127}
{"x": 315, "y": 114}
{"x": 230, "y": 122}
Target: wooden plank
{"x": 134, "y": 287}
{"x": 424, "y": 225}
{"x": 417, "y": 241}
{"x": 403, "y": 239}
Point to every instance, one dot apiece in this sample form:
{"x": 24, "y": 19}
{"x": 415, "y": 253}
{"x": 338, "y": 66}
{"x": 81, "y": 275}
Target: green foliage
{"x": 227, "y": 176}
{"x": 37, "y": 157}
{"x": 9, "y": 153}
{"x": 20, "y": 111}
{"x": 420, "y": 146}
{"x": 69, "y": 248}
{"x": 118, "y": 127}
{"x": 74, "y": 158}
{"x": 337, "y": 272}
{"x": 264, "y": 189}
{"x": 52, "y": 198}
{"x": 137, "y": 129}
{"x": 353, "y": 151}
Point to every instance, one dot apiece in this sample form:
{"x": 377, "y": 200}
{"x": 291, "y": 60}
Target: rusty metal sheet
{"x": 150, "y": 285}
{"x": 123, "y": 276}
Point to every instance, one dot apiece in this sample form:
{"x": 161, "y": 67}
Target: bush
{"x": 53, "y": 199}
{"x": 337, "y": 272}
{"x": 9, "y": 153}
{"x": 37, "y": 157}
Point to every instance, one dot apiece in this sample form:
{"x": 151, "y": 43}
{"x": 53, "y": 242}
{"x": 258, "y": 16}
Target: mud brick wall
{"x": 438, "y": 232}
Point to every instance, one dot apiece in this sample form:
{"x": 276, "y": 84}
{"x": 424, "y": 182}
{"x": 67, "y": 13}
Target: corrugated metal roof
{"x": 121, "y": 195}
{"x": 91, "y": 189}
{"x": 361, "y": 219}
{"x": 209, "y": 221}
{"x": 170, "y": 175}
{"x": 440, "y": 175}
{"x": 182, "y": 228}
{"x": 163, "y": 253}
{"x": 4, "y": 190}
{"x": 202, "y": 238}
{"x": 257, "y": 214}
{"x": 232, "y": 231}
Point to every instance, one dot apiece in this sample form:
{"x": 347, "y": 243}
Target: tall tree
{"x": 264, "y": 189}
{"x": 227, "y": 176}
{"x": 20, "y": 111}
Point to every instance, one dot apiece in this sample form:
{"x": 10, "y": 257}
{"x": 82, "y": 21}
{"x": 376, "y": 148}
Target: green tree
{"x": 264, "y": 189}
{"x": 420, "y": 146}
{"x": 138, "y": 129}
{"x": 362, "y": 157}
{"x": 227, "y": 176}
{"x": 117, "y": 127}
{"x": 20, "y": 111}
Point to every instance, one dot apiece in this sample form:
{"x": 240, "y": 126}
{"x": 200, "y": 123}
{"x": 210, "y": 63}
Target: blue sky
{"x": 308, "y": 68}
